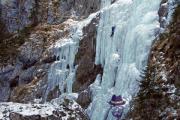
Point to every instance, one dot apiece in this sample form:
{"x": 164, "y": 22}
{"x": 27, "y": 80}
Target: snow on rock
{"x": 25, "y": 109}
{"x": 20, "y": 14}
{"x": 163, "y": 75}
{"x": 58, "y": 109}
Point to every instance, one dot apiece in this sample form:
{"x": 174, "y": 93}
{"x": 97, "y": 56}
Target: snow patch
{"x": 164, "y": 76}
{"x": 25, "y": 109}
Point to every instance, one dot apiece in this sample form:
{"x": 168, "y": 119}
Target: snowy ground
{"x": 59, "y": 108}
{"x": 25, "y": 109}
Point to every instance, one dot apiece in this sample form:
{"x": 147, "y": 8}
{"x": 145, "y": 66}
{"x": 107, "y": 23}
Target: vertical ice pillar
{"x": 124, "y": 54}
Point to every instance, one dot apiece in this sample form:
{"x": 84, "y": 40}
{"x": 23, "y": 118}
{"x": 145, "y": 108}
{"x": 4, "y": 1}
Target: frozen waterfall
{"x": 124, "y": 55}
{"x": 62, "y": 71}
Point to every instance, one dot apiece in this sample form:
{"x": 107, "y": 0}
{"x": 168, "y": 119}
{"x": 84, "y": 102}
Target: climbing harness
{"x": 117, "y": 111}
{"x": 117, "y": 106}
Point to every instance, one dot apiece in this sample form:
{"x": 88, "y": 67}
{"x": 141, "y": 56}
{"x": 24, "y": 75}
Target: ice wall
{"x": 124, "y": 55}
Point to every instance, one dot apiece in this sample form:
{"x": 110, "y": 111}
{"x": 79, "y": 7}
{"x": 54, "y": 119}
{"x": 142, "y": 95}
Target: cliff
{"x": 55, "y": 54}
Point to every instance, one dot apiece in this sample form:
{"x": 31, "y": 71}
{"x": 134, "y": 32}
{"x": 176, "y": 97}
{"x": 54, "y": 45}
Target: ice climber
{"x": 117, "y": 106}
{"x": 113, "y": 29}
{"x": 112, "y": 1}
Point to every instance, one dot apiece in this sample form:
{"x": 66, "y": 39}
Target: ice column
{"x": 124, "y": 55}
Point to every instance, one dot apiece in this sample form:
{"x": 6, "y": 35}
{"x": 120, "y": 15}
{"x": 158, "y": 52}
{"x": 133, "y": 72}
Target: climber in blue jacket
{"x": 113, "y": 29}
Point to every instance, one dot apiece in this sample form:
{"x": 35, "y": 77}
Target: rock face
{"x": 163, "y": 12}
{"x": 159, "y": 95}
{"x": 85, "y": 59}
{"x": 30, "y": 28}
{"x": 27, "y": 76}
{"x": 20, "y": 16}
{"x": 17, "y": 14}
{"x": 84, "y": 98}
